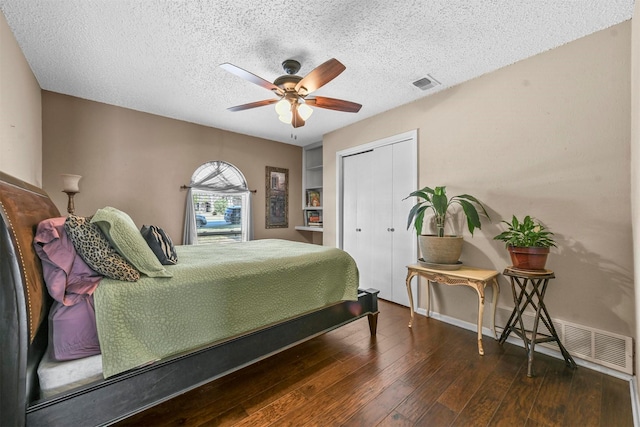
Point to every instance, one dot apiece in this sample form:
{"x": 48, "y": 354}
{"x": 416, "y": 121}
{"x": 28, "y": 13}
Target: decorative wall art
{"x": 277, "y": 198}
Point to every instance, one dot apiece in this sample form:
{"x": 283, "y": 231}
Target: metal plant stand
{"x": 529, "y": 288}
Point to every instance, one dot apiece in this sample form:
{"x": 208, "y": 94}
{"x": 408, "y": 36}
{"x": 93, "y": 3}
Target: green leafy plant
{"x": 526, "y": 233}
{"x": 436, "y": 200}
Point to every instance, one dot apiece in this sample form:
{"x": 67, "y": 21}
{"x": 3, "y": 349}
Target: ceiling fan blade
{"x": 333, "y": 104}
{"x": 320, "y": 76}
{"x": 296, "y": 121}
{"x": 251, "y": 77}
{"x": 253, "y": 105}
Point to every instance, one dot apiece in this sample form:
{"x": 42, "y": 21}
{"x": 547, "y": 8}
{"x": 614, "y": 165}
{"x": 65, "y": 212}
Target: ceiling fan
{"x": 293, "y": 106}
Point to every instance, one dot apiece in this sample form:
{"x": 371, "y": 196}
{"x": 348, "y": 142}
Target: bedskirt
{"x": 216, "y": 292}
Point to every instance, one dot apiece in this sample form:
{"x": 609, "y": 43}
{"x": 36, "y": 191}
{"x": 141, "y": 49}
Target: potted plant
{"x": 441, "y": 248}
{"x": 528, "y": 243}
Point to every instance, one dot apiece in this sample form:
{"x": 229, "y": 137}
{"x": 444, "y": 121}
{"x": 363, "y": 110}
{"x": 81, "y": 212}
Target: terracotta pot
{"x": 440, "y": 250}
{"x": 528, "y": 258}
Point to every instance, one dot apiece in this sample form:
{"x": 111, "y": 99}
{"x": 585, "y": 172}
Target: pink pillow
{"x": 71, "y": 283}
{"x": 65, "y": 273}
{"x": 72, "y": 330}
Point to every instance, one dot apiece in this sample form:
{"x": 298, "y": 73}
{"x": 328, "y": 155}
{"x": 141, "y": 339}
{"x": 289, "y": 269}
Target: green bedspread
{"x": 217, "y": 291}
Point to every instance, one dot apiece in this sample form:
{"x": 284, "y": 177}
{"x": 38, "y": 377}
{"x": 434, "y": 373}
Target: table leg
{"x": 534, "y": 334}
{"x": 534, "y": 331}
{"x": 549, "y": 324}
{"x": 517, "y": 300}
{"x": 427, "y": 298}
{"x": 514, "y": 319}
{"x": 410, "y": 275}
{"x": 496, "y": 291}
{"x": 507, "y": 329}
{"x": 480, "y": 289}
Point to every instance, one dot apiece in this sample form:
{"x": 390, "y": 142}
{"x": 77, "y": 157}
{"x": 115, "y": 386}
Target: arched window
{"x": 218, "y": 205}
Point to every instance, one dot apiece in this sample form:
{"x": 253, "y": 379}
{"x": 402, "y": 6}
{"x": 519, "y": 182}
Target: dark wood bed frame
{"x": 24, "y": 306}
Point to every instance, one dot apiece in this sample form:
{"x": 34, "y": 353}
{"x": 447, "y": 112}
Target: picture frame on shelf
{"x": 314, "y": 198}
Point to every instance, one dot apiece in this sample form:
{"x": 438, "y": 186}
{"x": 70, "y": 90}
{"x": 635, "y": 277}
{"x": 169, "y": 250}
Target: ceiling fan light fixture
{"x": 305, "y": 111}
{"x": 283, "y": 107}
{"x": 292, "y": 107}
{"x": 286, "y": 117}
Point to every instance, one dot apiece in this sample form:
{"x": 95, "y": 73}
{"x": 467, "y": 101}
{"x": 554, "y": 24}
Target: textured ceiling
{"x": 163, "y": 57}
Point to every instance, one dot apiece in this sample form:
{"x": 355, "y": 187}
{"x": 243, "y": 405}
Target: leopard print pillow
{"x": 96, "y": 251}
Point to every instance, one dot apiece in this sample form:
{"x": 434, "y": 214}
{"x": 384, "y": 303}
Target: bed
{"x": 25, "y": 304}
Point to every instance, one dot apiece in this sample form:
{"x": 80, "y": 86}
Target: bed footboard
{"x": 132, "y": 392}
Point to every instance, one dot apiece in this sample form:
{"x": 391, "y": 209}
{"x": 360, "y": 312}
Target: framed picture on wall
{"x": 277, "y": 197}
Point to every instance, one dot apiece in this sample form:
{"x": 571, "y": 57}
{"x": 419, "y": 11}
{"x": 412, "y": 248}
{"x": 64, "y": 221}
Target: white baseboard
{"x": 633, "y": 385}
{"x": 540, "y": 349}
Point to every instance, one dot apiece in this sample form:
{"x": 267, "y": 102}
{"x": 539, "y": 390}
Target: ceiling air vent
{"x": 426, "y": 83}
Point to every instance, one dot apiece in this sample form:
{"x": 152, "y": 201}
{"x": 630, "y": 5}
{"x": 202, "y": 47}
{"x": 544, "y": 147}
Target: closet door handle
{"x": 358, "y": 229}
{"x": 391, "y": 229}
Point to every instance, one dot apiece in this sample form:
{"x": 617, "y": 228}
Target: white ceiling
{"x": 163, "y": 57}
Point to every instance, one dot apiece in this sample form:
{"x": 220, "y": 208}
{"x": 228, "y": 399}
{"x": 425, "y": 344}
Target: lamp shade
{"x": 305, "y": 111}
{"x": 70, "y": 183}
{"x": 286, "y": 117}
{"x": 283, "y": 107}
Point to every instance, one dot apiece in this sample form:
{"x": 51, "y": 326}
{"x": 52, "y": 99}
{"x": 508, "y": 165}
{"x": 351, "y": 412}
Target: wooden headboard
{"x": 24, "y": 300}
{"x": 22, "y": 207}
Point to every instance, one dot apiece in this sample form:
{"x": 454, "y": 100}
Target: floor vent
{"x": 594, "y": 345}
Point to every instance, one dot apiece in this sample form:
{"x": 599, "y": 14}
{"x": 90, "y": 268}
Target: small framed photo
{"x": 314, "y": 199}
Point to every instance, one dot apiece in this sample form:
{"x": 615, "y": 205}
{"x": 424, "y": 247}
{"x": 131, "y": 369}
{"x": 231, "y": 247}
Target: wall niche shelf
{"x": 312, "y": 188}
{"x": 314, "y": 229}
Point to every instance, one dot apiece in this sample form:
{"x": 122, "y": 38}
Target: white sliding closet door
{"x": 374, "y": 214}
{"x": 405, "y": 170}
{"x": 380, "y": 250}
{"x": 358, "y": 205}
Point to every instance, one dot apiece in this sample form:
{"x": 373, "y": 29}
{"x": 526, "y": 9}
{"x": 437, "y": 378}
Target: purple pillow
{"x": 71, "y": 283}
{"x": 66, "y": 274}
{"x": 72, "y": 330}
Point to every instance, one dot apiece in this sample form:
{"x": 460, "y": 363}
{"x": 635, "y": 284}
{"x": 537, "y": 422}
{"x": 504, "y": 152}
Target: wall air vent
{"x": 426, "y": 83}
{"x": 594, "y": 345}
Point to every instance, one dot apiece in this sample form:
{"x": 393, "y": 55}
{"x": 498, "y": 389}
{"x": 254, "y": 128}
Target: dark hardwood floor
{"x": 430, "y": 375}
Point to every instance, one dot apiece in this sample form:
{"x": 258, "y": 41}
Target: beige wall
{"x": 549, "y": 137}
{"x": 20, "y": 112}
{"x": 137, "y": 162}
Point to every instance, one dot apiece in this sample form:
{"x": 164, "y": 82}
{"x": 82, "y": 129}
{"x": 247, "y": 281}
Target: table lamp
{"x": 70, "y": 186}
